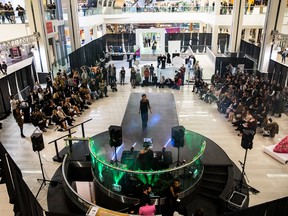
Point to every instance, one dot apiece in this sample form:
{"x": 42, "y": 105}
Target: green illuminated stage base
{"x": 123, "y": 181}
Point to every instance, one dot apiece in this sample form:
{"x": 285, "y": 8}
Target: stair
{"x": 214, "y": 181}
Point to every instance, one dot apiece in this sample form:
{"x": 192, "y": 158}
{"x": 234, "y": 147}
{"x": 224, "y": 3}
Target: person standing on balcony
{"x": 84, "y": 9}
{"x": 53, "y": 10}
{"x": 2, "y": 12}
{"x": 4, "y": 68}
{"x": 21, "y": 12}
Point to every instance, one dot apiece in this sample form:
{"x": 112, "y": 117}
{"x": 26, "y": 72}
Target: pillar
{"x": 73, "y": 24}
{"x": 37, "y": 23}
{"x": 247, "y": 34}
{"x": 217, "y": 7}
{"x": 209, "y": 28}
{"x": 236, "y": 28}
{"x": 273, "y": 21}
{"x": 256, "y": 36}
{"x": 215, "y": 32}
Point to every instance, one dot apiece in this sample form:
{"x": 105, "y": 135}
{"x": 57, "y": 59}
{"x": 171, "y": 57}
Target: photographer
{"x": 145, "y": 158}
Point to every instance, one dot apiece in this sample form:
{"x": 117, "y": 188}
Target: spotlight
{"x": 163, "y": 149}
{"x": 116, "y": 187}
{"x": 132, "y": 149}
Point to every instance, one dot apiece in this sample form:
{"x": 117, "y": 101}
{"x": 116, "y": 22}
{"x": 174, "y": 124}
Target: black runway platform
{"x": 213, "y": 190}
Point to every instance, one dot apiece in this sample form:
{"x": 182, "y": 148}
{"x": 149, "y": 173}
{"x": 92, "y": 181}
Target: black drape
{"x": 28, "y": 205}
{"x": 88, "y": 54}
{"x": 4, "y": 155}
{"x": 208, "y": 39}
{"x": 4, "y": 94}
{"x": 202, "y": 41}
{"x": 12, "y": 83}
{"x": 194, "y": 41}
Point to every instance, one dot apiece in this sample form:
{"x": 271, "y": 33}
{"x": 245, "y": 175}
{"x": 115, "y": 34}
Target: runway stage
{"x": 207, "y": 187}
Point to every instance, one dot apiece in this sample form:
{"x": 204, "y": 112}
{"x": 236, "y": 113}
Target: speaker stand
{"x": 241, "y": 183}
{"x": 177, "y": 163}
{"x": 43, "y": 180}
{"x": 116, "y": 160}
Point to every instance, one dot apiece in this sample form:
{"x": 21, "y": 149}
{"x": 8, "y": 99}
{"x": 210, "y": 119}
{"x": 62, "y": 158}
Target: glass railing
{"x": 78, "y": 200}
{"x": 51, "y": 14}
{"x": 111, "y": 177}
{"x": 224, "y": 10}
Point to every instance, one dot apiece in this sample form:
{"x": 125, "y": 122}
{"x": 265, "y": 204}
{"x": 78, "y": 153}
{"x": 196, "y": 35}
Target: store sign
{"x": 49, "y": 27}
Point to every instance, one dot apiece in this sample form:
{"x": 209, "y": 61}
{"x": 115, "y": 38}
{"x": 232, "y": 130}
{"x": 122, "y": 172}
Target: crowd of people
{"x": 65, "y": 97}
{"x": 7, "y": 12}
{"x": 245, "y": 100}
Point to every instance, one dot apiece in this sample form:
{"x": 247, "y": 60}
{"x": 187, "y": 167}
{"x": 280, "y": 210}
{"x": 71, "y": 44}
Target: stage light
{"x": 163, "y": 149}
{"x": 116, "y": 187}
{"x": 132, "y": 149}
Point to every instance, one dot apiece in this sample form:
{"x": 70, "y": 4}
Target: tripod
{"x": 43, "y": 180}
{"x": 241, "y": 183}
{"x": 177, "y": 163}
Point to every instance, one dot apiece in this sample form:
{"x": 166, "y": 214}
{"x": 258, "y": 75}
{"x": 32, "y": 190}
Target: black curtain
{"x": 88, "y": 54}
{"x": 222, "y": 41}
{"x": 278, "y": 72}
{"x": 4, "y": 155}
{"x": 4, "y": 97}
{"x": 28, "y": 205}
{"x": 250, "y": 49}
{"x": 194, "y": 41}
{"x": 12, "y": 83}
{"x": 202, "y": 41}
{"x": 208, "y": 39}
{"x": 278, "y": 207}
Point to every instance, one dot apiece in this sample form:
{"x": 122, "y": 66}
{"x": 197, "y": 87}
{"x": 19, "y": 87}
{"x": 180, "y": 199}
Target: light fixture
{"x": 116, "y": 187}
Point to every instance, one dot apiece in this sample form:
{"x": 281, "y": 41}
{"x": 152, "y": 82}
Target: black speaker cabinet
{"x": 247, "y": 141}
{"x": 37, "y": 141}
{"x": 115, "y": 135}
{"x": 178, "y": 133}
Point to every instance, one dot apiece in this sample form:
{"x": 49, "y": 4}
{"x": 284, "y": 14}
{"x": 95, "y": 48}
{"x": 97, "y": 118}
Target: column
{"x": 236, "y": 28}
{"x": 256, "y": 36}
{"x": 73, "y": 24}
{"x": 215, "y": 32}
{"x": 217, "y": 7}
{"x": 209, "y": 28}
{"x": 273, "y": 21}
{"x": 201, "y": 27}
{"x": 247, "y": 34}
{"x": 37, "y": 23}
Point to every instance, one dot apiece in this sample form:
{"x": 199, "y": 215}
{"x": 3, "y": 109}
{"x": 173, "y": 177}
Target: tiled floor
{"x": 264, "y": 173}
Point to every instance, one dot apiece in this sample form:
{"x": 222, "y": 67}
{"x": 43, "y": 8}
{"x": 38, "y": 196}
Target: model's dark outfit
{"x": 144, "y": 106}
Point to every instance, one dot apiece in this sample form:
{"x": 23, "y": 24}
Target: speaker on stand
{"x": 115, "y": 139}
{"x": 177, "y": 140}
{"x": 38, "y": 145}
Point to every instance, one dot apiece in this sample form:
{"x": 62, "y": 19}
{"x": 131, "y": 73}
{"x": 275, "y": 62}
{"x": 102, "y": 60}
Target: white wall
{"x": 14, "y": 31}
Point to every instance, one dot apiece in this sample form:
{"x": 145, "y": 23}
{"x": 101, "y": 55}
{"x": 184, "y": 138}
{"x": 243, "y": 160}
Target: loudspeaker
{"x": 178, "y": 133}
{"x": 247, "y": 141}
{"x": 115, "y": 135}
{"x": 37, "y": 141}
